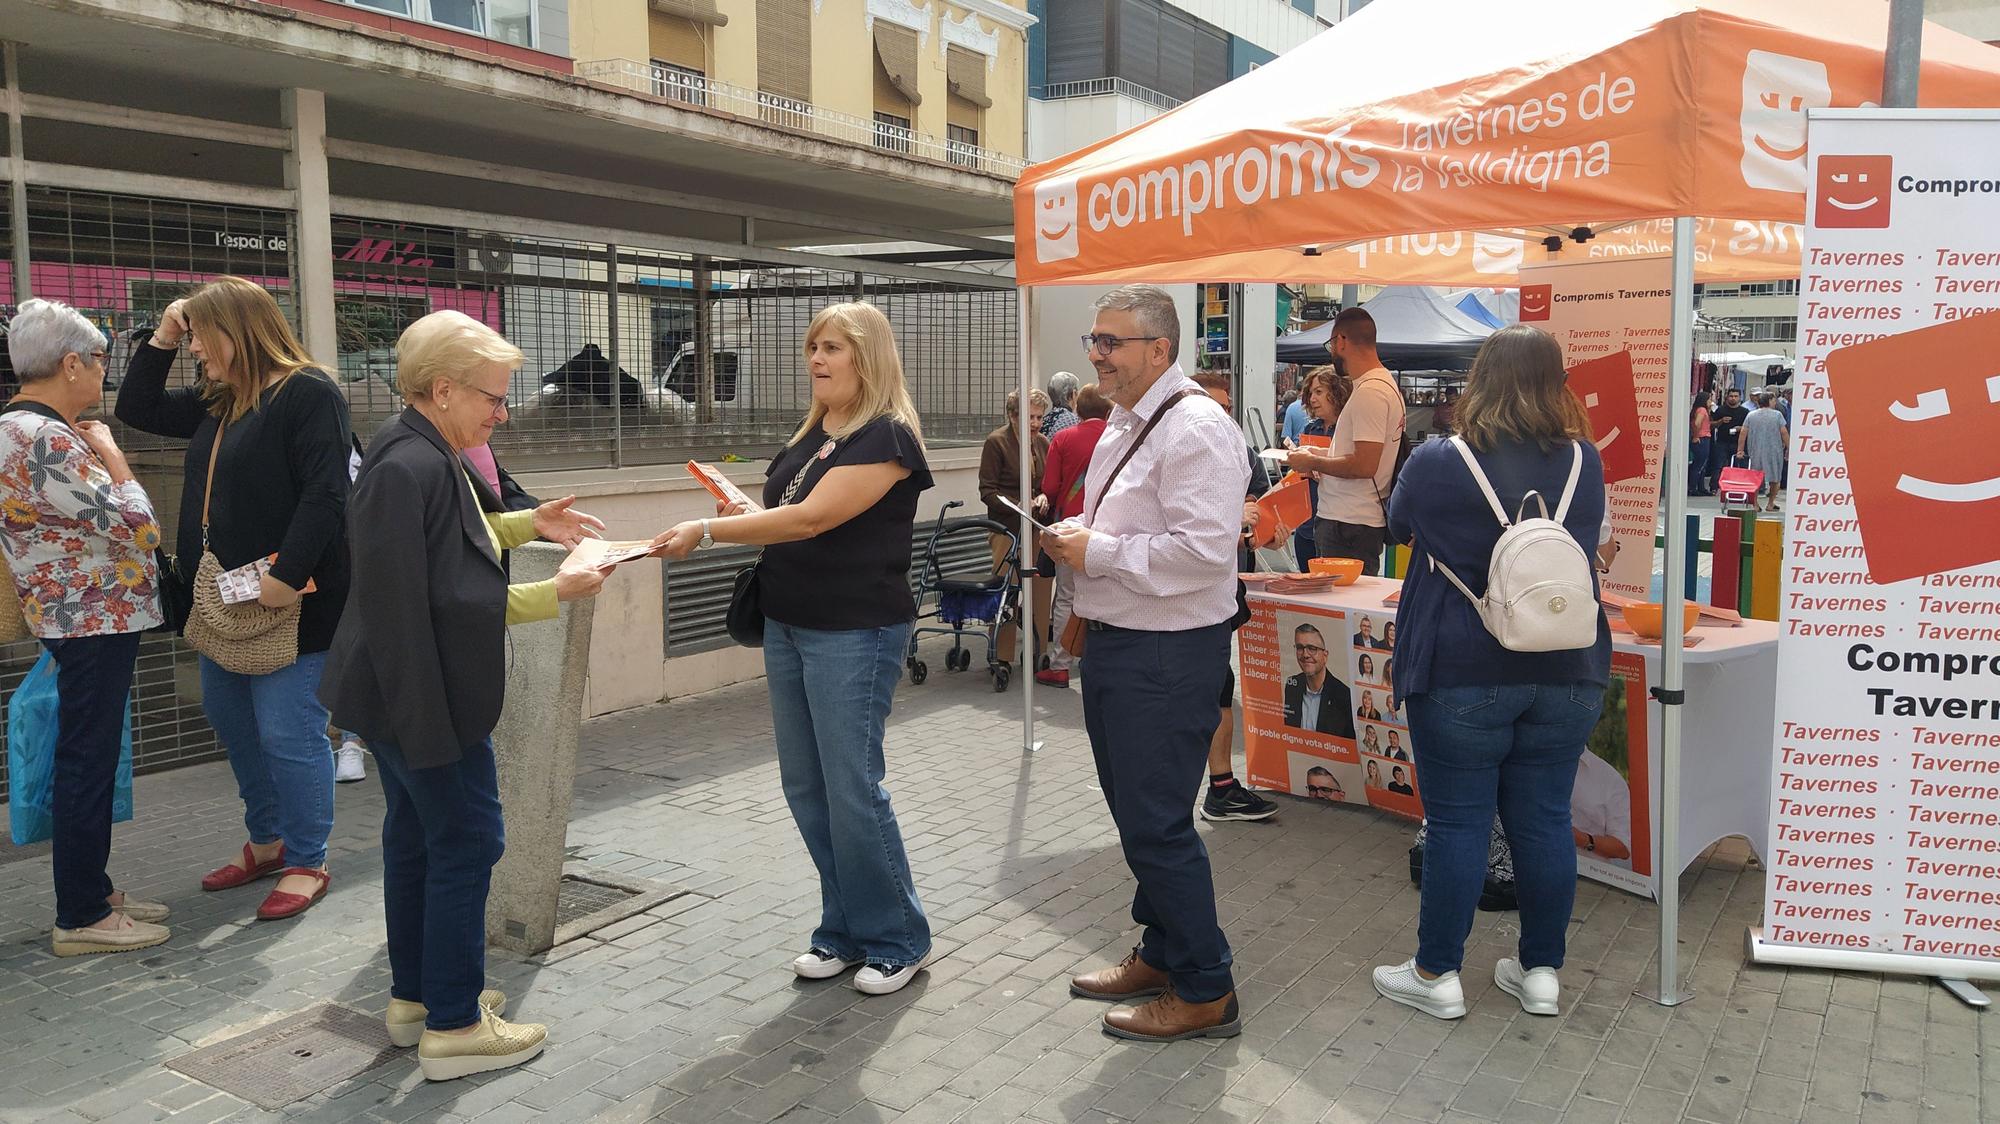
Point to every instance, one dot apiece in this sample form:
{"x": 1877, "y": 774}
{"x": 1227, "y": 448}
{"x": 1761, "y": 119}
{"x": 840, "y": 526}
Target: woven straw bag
{"x": 13, "y": 623}
{"x": 248, "y": 639}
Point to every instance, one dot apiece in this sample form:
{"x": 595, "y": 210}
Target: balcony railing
{"x": 674, "y": 85}
{"x": 1100, "y": 87}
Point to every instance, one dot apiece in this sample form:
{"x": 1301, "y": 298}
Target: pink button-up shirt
{"x": 1162, "y": 556}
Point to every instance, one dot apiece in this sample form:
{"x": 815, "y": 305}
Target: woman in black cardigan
{"x": 417, "y": 670}
{"x": 280, "y": 491}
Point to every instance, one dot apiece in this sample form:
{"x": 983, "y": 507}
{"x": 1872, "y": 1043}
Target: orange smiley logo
{"x": 1611, "y": 398}
{"x": 1917, "y": 413}
{"x": 1536, "y": 300}
{"x": 1853, "y": 192}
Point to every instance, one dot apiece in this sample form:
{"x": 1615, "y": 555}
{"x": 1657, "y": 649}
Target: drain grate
{"x": 577, "y": 899}
{"x": 293, "y": 1058}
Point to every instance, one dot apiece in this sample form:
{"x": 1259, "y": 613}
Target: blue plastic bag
{"x": 31, "y": 757}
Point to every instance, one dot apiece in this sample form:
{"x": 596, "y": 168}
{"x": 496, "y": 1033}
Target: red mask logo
{"x": 1536, "y": 301}
{"x": 1853, "y": 192}
{"x": 1917, "y": 414}
{"x": 1605, "y": 387}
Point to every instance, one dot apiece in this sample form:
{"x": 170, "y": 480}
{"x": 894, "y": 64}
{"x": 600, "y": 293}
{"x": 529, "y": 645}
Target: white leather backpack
{"x": 1539, "y": 596}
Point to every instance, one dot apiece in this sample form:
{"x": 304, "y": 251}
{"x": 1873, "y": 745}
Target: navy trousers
{"x": 1149, "y": 705}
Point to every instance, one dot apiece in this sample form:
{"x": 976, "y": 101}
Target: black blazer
{"x": 420, "y": 658}
{"x": 1336, "y": 706}
{"x": 280, "y": 482}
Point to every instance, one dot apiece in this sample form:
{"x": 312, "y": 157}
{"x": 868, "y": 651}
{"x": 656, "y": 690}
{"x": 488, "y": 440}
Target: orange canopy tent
{"x": 1423, "y": 141}
{"x": 1443, "y": 141}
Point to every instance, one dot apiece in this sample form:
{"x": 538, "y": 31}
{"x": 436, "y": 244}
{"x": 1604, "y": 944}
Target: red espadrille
{"x": 231, "y": 876}
{"x": 281, "y": 905}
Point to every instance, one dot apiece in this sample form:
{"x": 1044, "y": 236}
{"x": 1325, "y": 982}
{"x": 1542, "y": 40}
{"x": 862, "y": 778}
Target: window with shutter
{"x": 965, "y": 77}
{"x": 1137, "y": 38}
{"x": 896, "y": 52}
{"x": 1077, "y": 31}
{"x": 678, "y": 42}
{"x": 784, "y": 61}
{"x": 699, "y": 11}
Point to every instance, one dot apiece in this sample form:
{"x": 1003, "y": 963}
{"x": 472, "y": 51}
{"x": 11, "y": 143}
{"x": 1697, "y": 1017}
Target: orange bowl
{"x": 1648, "y": 621}
{"x": 1343, "y": 570}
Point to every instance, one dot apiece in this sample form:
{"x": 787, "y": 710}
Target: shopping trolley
{"x": 989, "y": 599}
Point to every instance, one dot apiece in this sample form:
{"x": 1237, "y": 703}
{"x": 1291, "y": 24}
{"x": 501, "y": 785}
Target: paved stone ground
{"x": 689, "y": 1013}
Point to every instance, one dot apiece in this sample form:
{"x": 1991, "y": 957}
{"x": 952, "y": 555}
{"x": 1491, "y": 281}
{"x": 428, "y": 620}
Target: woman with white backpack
{"x": 1502, "y": 660}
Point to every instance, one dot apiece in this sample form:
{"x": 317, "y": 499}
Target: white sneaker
{"x": 1441, "y": 998}
{"x": 887, "y": 979}
{"x": 821, "y": 964}
{"x": 348, "y": 765}
{"x": 1538, "y": 989}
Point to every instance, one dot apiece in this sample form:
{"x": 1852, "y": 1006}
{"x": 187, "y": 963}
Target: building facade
{"x": 938, "y": 78}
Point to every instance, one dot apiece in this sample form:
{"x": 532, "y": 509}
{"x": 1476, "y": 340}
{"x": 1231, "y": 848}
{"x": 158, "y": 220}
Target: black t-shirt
{"x": 1726, "y": 421}
{"x": 856, "y": 575}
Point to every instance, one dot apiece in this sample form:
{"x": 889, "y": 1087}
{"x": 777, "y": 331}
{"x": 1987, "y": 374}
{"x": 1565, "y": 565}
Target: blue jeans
{"x": 1150, "y": 707}
{"x": 1513, "y": 750}
{"x": 441, "y": 834}
{"x": 1699, "y": 452}
{"x": 93, "y": 681}
{"x": 275, "y": 731}
{"x": 830, "y": 698}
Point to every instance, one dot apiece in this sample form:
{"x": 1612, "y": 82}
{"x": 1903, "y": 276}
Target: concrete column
{"x": 312, "y": 241}
{"x": 17, "y": 186}
{"x": 535, "y": 745}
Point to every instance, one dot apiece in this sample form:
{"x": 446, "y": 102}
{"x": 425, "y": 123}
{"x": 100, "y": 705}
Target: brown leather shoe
{"x": 1171, "y": 1018}
{"x": 1133, "y": 978}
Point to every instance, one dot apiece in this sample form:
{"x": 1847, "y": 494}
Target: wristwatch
{"x": 707, "y": 540}
{"x": 1590, "y": 841}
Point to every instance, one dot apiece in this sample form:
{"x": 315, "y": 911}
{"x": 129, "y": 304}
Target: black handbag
{"x": 176, "y": 592}
{"x": 744, "y": 619}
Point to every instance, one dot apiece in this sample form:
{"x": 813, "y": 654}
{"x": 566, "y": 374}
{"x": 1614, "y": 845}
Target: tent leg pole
{"x": 1671, "y": 691}
{"x": 1027, "y": 633}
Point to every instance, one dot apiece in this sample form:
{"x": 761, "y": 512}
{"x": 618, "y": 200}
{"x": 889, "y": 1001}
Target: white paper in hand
{"x": 1010, "y": 505}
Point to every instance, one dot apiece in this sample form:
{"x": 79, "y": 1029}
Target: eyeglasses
{"x": 1106, "y": 344}
{"x": 496, "y": 403}
{"x": 1308, "y": 649}
{"x": 1321, "y": 790}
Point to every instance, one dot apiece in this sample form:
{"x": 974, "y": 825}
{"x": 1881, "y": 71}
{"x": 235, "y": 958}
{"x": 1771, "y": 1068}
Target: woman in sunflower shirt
{"x": 78, "y": 533}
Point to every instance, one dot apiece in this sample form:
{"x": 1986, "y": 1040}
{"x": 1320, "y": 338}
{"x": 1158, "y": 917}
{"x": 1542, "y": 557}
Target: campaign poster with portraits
{"x": 1317, "y": 715}
{"x": 1319, "y": 722}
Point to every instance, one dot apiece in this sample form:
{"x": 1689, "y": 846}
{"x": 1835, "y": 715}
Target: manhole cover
{"x": 577, "y": 899}
{"x": 293, "y": 1058}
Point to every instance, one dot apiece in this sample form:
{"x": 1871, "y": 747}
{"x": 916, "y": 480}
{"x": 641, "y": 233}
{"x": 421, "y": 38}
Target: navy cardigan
{"x": 1437, "y": 506}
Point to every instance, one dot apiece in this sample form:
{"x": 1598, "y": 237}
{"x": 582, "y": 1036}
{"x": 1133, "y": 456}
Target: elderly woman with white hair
{"x": 79, "y": 534}
{"x": 1062, "y": 404}
{"x": 417, "y": 669}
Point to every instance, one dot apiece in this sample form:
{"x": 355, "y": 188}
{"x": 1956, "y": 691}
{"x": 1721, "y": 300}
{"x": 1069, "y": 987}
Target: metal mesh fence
{"x": 670, "y": 355}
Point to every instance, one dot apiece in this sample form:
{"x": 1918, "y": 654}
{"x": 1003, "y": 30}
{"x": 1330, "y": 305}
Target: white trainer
{"x": 348, "y": 764}
{"x": 1442, "y": 998}
{"x": 821, "y": 964}
{"x": 1538, "y": 989}
{"x": 887, "y": 979}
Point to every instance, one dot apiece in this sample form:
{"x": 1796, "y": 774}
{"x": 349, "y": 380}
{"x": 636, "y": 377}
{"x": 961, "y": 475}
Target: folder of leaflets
{"x": 720, "y": 486}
